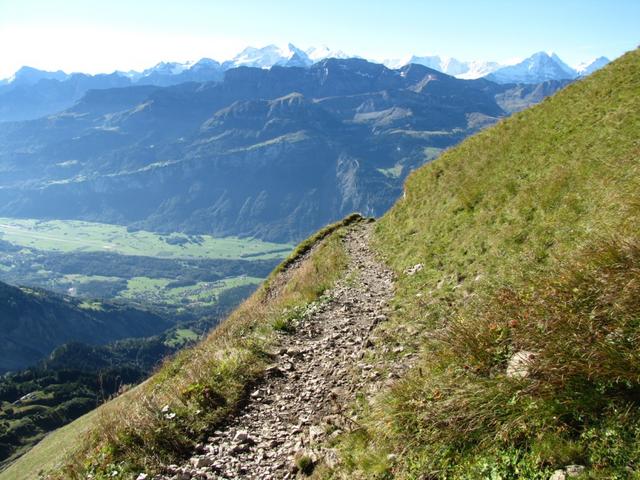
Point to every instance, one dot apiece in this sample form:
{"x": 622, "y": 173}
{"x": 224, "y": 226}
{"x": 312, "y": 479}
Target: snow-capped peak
{"x": 267, "y": 57}
{"x": 539, "y": 67}
{"x": 478, "y": 69}
{"x": 30, "y": 76}
{"x": 317, "y": 54}
{"x": 568, "y": 70}
{"x": 289, "y": 56}
{"x": 168, "y": 68}
{"x": 448, "y": 65}
{"x": 587, "y": 68}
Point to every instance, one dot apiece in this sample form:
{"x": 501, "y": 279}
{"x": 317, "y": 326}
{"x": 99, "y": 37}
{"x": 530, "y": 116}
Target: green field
{"x": 158, "y": 291}
{"x": 184, "y": 274}
{"x": 78, "y": 236}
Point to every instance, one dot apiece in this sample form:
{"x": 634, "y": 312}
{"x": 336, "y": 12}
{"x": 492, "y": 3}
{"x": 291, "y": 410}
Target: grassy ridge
{"x": 201, "y": 386}
{"x": 528, "y": 237}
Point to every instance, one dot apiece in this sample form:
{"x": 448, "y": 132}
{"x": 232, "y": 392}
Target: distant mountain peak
{"x": 320, "y": 53}
{"x": 539, "y": 67}
{"x": 205, "y": 63}
{"x": 170, "y": 68}
{"x": 29, "y": 75}
{"x": 449, "y": 65}
{"x": 587, "y": 68}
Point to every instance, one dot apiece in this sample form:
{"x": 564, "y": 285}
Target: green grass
{"x": 306, "y": 245}
{"x": 79, "y": 236}
{"x": 49, "y": 451}
{"x": 143, "y": 285}
{"x": 528, "y": 234}
{"x": 75, "y": 278}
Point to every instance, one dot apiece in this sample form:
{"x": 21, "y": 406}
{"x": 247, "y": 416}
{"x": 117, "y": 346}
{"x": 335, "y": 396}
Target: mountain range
{"x": 271, "y": 153}
{"x": 31, "y": 93}
{"x": 539, "y": 67}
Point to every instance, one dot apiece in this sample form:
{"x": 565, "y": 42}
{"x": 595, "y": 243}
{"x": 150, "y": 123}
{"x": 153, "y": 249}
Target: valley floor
{"x": 320, "y": 367}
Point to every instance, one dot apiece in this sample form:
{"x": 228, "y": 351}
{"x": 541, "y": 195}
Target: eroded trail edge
{"x": 319, "y": 369}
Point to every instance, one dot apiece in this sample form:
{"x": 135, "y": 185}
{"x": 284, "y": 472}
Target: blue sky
{"x": 101, "y": 36}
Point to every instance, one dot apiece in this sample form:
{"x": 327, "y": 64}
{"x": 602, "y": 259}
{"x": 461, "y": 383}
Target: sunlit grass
{"x": 527, "y": 233}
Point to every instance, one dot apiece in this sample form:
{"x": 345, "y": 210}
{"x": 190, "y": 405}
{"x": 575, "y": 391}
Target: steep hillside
{"x": 34, "y": 322}
{"x": 274, "y": 154}
{"x": 524, "y": 301}
{"x": 72, "y": 381}
{"x": 515, "y": 309}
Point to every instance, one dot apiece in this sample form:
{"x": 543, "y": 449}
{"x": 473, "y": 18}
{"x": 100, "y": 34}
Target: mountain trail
{"x": 319, "y": 369}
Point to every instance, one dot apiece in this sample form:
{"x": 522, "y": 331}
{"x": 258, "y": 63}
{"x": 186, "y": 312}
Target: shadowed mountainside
{"x": 34, "y": 322}
{"x": 273, "y": 154}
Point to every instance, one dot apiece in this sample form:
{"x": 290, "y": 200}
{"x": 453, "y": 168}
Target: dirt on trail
{"x": 319, "y": 369}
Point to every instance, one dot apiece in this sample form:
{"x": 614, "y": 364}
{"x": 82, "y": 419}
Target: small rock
{"x": 331, "y": 458}
{"x": 519, "y": 363}
{"x": 574, "y": 470}
{"x": 199, "y": 462}
{"x": 142, "y": 476}
{"x": 413, "y": 270}
{"x": 287, "y": 367}
{"x": 241, "y": 436}
{"x": 238, "y": 448}
{"x": 315, "y": 432}
{"x": 558, "y": 475}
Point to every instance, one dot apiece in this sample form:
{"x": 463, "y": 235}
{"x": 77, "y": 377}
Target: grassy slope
{"x": 528, "y": 233}
{"x": 50, "y": 450}
{"x": 54, "y": 448}
{"x": 201, "y": 386}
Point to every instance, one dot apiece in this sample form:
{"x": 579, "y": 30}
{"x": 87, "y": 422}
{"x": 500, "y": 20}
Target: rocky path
{"x": 319, "y": 369}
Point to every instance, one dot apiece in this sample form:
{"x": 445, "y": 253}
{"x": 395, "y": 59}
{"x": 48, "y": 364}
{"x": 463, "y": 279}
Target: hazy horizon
{"x": 93, "y": 37}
